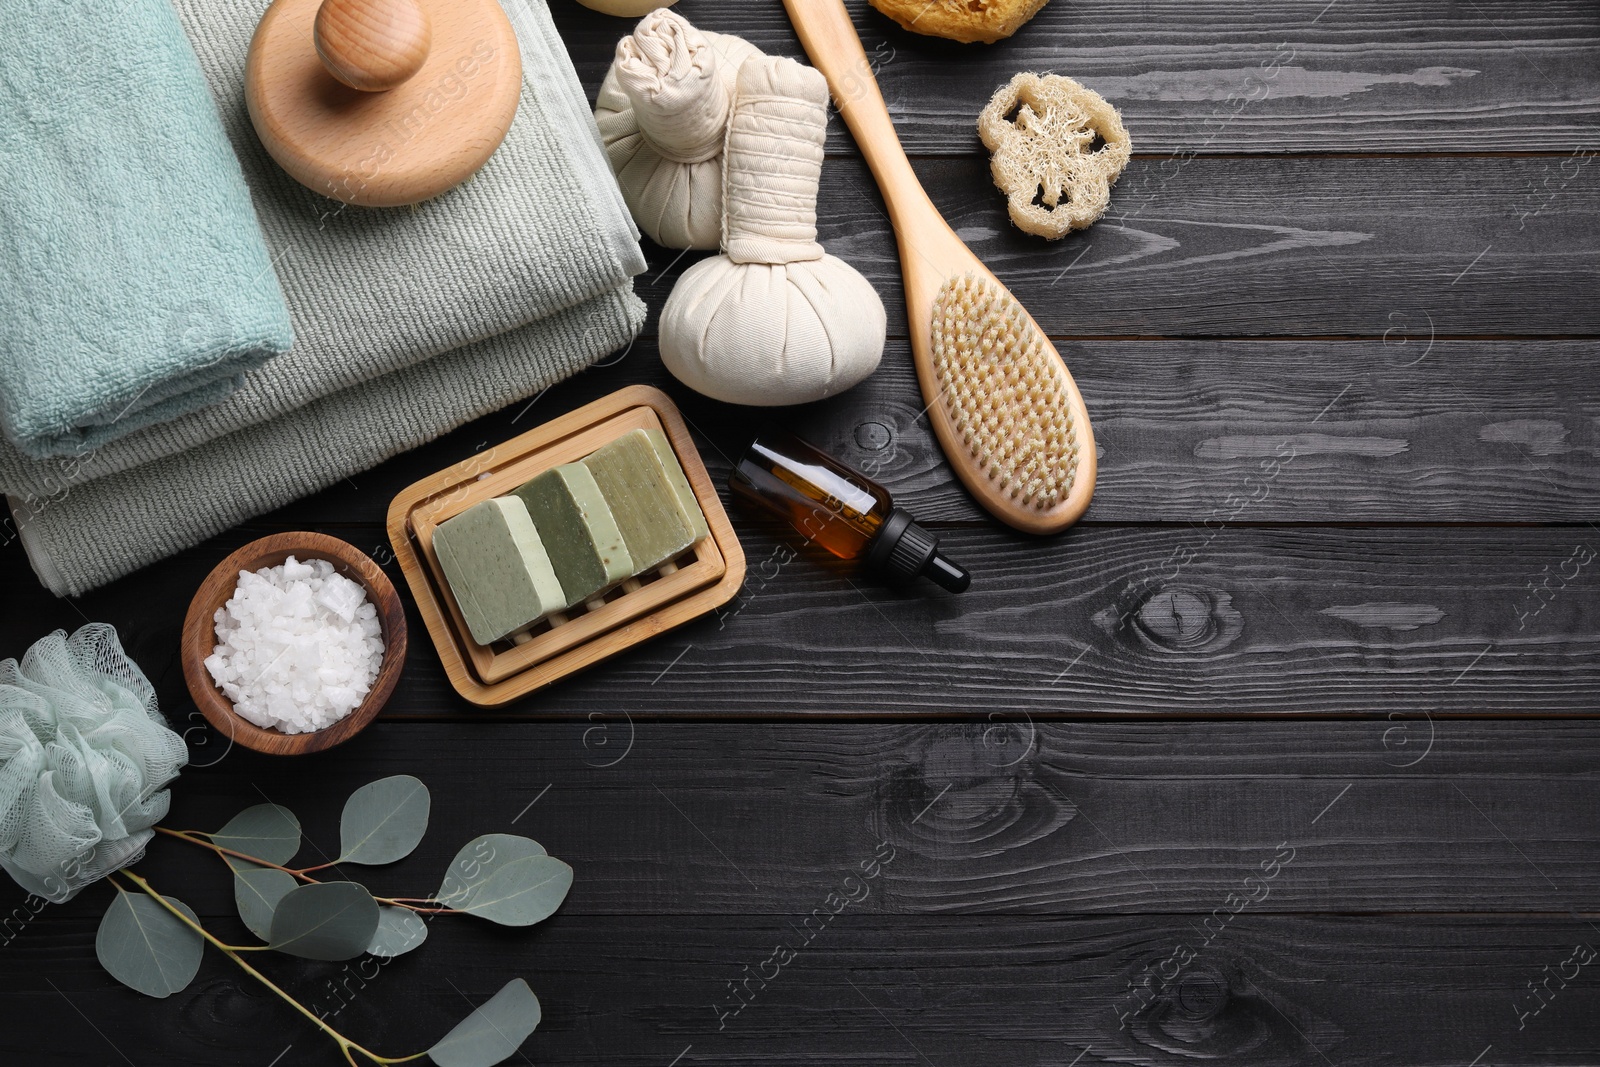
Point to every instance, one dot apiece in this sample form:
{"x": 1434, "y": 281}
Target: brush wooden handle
{"x": 830, "y": 39}
{"x": 930, "y": 255}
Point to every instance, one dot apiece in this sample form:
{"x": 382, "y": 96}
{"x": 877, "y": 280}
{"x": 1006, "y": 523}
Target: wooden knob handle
{"x": 372, "y": 45}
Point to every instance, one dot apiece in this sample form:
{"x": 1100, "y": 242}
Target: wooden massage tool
{"x": 1005, "y": 410}
{"x": 383, "y": 102}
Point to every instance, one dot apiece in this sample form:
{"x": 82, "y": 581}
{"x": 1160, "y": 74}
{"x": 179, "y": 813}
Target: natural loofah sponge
{"x": 968, "y": 21}
{"x": 663, "y": 111}
{"x": 773, "y": 320}
{"x": 626, "y": 8}
{"x": 1057, "y": 150}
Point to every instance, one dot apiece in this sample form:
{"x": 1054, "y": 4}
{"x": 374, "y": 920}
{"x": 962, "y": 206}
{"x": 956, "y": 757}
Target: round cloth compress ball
{"x": 663, "y": 112}
{"x": 1057, "y": 150}
{"x": 772, "y": 334}
{"x": 773, "y": 320}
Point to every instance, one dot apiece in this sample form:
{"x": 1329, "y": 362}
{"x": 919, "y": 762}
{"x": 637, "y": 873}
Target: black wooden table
{"x": 1285, "y": 755}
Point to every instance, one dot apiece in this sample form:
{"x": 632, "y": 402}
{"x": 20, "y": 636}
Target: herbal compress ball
{"x": 773, "y": 320}
{"x": 663, "y": 112}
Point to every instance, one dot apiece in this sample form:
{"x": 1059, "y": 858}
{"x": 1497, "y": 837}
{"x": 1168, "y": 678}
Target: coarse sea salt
{"x": 298, "y": 646}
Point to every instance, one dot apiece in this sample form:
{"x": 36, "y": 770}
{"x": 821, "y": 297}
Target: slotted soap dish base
{"x": 704, "y": 577}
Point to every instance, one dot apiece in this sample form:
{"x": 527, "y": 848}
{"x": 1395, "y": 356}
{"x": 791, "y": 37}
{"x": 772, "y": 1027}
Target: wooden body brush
{"x": 1005, "y": 410}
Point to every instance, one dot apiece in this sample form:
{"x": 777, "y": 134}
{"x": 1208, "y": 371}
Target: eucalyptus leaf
{"x": 146, "y": 947}
{"x": 506, "y": 879}
{"x": 384, "y": 820}
{"x": 494, "y": 1030}
{"x": 325, "y": 921}
{"x": 256, "y": 892}
{"x": 267, "y": 831}
{"x": 479, "y": 856}
{"x": 399, "y": 931}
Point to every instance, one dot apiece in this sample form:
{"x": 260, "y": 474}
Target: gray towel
{"x": 540, "y": 237}
{"x": 101, "y": 530}
{"x": 541, "y": 228}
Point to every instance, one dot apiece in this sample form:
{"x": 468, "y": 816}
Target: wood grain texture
{"x": 429, "y": 133}
{"x": 1269, "y": 992}
{"x": 1201, "y": 620}
{"x": 1274, "y": 76}
{"x": 1262, "y": 247}
{"x": 372, "y": 45}
{"x": 990, "y": 815}
{"x": 1402, "y": 428}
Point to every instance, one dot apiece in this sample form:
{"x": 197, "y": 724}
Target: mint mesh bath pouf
{"x": 85, "y": 757}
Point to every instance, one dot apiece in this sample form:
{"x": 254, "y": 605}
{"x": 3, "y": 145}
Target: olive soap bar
{"x": 498, "y": 568}
{"x": 634, "y": 481}
{"x": 579, "y": 532}
{"x": 687, "y": 504}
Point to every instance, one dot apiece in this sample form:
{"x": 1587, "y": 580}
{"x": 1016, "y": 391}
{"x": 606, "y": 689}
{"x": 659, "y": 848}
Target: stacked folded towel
{"x": 134, "y": 283}
{"x": 409, "y": 322}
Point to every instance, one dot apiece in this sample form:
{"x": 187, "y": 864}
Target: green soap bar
{"x": 578, "y": 530}
{"x": 498, "y": 568}
{"x": 633, "y": 482}
{"x": 679, "y": 482}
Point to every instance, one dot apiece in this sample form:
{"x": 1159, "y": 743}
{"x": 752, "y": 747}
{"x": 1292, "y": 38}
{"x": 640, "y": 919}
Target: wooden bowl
{"x": 200, "y": 638}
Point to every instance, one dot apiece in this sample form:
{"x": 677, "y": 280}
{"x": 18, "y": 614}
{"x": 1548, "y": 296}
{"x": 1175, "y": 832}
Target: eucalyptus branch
{"x": 420, "y": 905}
{"x": 346, "y": 1046}
{"x": 499, "y": 878}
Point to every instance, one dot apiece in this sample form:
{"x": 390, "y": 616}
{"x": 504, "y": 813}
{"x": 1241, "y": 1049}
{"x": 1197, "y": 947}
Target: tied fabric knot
{"x": 670, "y": 72}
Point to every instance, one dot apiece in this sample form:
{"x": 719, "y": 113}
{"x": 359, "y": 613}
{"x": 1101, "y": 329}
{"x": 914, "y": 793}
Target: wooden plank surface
{"x": 996, "y": 814}
{"x": 628, "y": 992}
{"x": 1198, "y": 620}
{"x": 1406, "y": 428}
{"x": 1271, "y": 76}
{"x": 1337, "y": 335}
{"x": 1262, "y": 247}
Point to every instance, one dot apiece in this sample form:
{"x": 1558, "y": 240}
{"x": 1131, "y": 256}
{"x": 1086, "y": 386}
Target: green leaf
{"x": 506, "y": 879}
{"x": 493, "y": 1031}
{"x": 267, "y": 832}
{"x": 384, "y": 820}
{"x": 146, "y": 947}
{"x": 399, "y": 931}
{"x": 256, "y": 892}
{"x": 478, "y": 856}
{"x": 325, "y": 921}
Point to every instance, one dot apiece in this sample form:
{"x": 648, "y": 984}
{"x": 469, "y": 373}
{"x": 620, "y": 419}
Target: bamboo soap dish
{"x": 702, "y": 578}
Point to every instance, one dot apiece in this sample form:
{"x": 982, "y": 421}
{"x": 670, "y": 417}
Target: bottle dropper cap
{"x": 903, "y": 550}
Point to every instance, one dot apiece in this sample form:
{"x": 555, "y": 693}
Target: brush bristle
{"x": 1004, "y": 392}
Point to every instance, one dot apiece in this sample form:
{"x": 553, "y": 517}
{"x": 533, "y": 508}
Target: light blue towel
{"x": 134, "y": 282}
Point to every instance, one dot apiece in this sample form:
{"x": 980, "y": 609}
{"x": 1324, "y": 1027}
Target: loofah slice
{"x": 1004, "y": 391}
{"x": 967, "y": 21}
{"x": 1057, "y": 150}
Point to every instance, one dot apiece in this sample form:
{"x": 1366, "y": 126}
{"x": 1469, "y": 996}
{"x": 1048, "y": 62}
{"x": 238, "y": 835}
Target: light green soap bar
{"x": 497, "y": 568}
{"x": 578, "y": 530}
{"x": 633, "y": 482}
{"x": 679, "y": 482}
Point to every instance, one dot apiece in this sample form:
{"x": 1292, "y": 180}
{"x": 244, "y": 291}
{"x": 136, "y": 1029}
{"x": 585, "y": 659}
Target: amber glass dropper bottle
{"x": 842, "y": 510}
